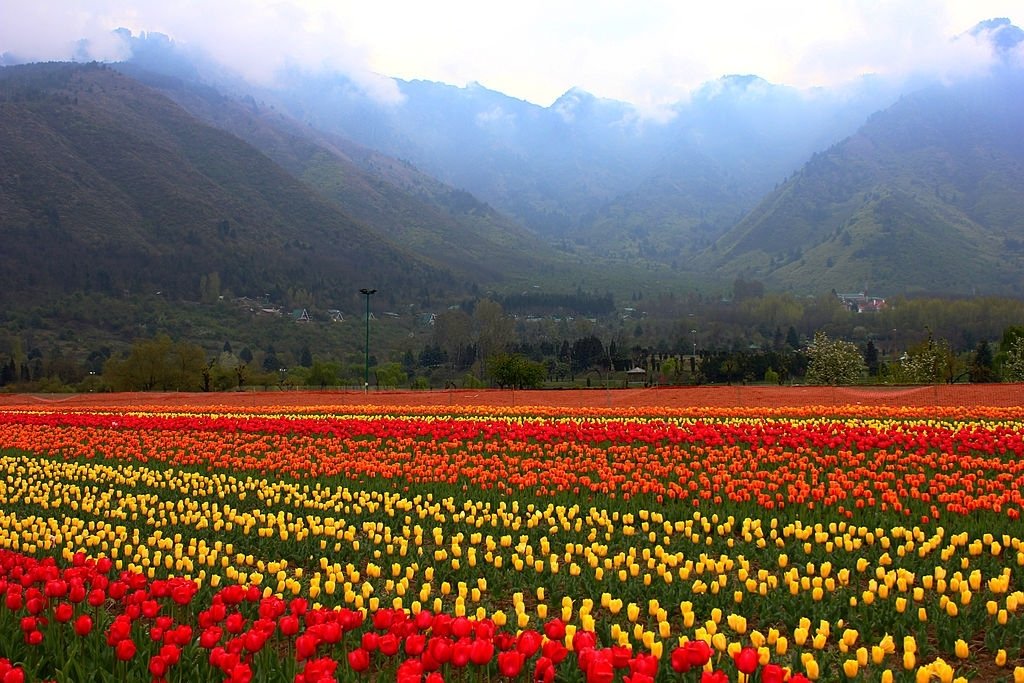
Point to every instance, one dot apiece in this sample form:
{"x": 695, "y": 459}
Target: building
{"x": 861, "y": 302}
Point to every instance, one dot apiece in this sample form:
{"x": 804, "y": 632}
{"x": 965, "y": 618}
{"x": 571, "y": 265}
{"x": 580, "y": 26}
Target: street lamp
{"x": 366, "y": 377}
{"x": 694, "y": 333}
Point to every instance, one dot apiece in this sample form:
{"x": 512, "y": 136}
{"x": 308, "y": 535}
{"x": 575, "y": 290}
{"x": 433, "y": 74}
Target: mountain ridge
{"x": 120, "y": 189}
{"x": 938, "y": 172}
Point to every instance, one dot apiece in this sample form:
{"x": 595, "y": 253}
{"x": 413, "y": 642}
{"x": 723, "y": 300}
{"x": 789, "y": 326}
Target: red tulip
{"x": 461, "y": 627}
{"x": 171, "y": 653}
{"x": 746, "y": 660}
{"x": 440, "y": 649}
{"x": 409, "y": 671}
{"x": 388, "y": 644}
{"x": 644, "y": 664}
{"x": 461, "y": 651}
{"x": 638, "y": 677}
{"x": 15, "y": 675}
{"x": 555, "y": 629}
{"x": 382, "y": 619}
{"x": 620, "y": 656}
{"x": 510, "y": 663}
{"x": 359, "y": 660}
{"x": 83, "y": 625}
{"x": 235, "y": 623}
{"x": 698, "y": 652}
{"x": 289, "y": 625}
{"x": 544, "y": 671}
{"x": 773, "y": 673}
{"x": 600, "y": 669}
{"x": 415, "y": 644}
{"x": 157, "y": 666}
{"x": 554, "y": 650}
{"x": 481, "y": 652}
{"x": 581, "y": 640}
{"x": 305, "y": 646}
{"x": 529, "y": 642}
{"x": 369, "y": 641}
{"x": 125, "y": 649}
{"x": 210, "y": 637}
{"x": 424, "y": 620}
{"x": 680, "y": 660}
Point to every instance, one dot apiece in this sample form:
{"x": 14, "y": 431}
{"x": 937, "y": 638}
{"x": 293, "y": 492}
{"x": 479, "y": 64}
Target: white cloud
{"x": 648, "y": 52}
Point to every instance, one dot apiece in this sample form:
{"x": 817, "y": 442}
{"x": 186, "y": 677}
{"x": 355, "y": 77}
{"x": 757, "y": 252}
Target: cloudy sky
{"x": 647, "y": 52}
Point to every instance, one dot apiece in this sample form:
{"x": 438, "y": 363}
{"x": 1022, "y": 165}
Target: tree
{"x": 493, "y": 328}
{"x": 588, "y": 352}
{"x": 670, "y": 370}
{"x": 452, "y": 332}
{"x": 983, "y": 366}
{"x": 1013, "y": 366}
{"x": 833, "y": 362}
{"x": 157, "y": 364}
{"x": 792, "y": 338}
{"x": 515, "y": 371}
{"x": 324, "y": 374}
{"x": 390, "y": 375}
{"x": 929, "y": 362}
{"x": 871, "y": 358}
{"x": 270, "y": 361}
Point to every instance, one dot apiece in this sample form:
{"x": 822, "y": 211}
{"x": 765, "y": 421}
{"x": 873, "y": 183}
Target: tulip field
{"x": 480, "y": 543}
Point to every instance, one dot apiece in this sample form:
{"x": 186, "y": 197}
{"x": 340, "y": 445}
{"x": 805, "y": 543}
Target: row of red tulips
{"x": 132, "y": 624}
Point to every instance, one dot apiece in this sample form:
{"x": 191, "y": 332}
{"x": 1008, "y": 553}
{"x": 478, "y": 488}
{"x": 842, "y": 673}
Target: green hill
{"x": 432, "y": 219}
{"x": 925, "y": 197}
{"x": 109, "y": 186}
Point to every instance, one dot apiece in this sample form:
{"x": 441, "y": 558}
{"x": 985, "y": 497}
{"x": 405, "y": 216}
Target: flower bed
{"x": 479, "y": 543}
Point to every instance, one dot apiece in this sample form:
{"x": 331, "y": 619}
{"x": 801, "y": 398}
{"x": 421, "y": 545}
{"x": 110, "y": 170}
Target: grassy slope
{"x": 924, "y": 198}
{"x": 136, "y": 193}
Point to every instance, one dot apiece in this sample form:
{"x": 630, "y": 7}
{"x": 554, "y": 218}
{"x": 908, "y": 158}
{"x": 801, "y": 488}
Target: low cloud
{"x": 257, "y": 39}
{"x": 650, "y": 54}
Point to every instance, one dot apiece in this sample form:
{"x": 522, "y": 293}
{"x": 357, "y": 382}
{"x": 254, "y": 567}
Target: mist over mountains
{"x": 900, "y": 188}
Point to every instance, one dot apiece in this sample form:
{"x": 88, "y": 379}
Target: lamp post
{"x": 694, "y": 333}
{"x": 366, "y": 377}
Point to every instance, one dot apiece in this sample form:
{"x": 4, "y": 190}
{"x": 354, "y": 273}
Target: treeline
{"x": 757, "y": 338}
{"x": 538, "y": 303}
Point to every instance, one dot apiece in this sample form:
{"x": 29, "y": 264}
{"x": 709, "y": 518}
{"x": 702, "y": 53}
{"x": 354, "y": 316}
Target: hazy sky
{"x": 647, "y": 52}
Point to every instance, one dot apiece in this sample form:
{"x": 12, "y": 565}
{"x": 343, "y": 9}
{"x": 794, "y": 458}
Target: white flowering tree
{"x": 833, "y": 361}
{"x": 930, "y": 362}
{"x": 1013, "y": 366}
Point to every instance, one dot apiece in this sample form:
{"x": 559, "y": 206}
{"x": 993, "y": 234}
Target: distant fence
{"x": 740, "y": 396}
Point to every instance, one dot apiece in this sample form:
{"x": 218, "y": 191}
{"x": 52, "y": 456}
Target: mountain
{"x": 592, "y": 172}
{"x": 446, "y": 225}
{"x": 109, "y": 186}
{"x": 591, "y": 175}
{"x": 723, "y": 149}
{"x": 463, "y": 186}
{"x": 925, "y": 197}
